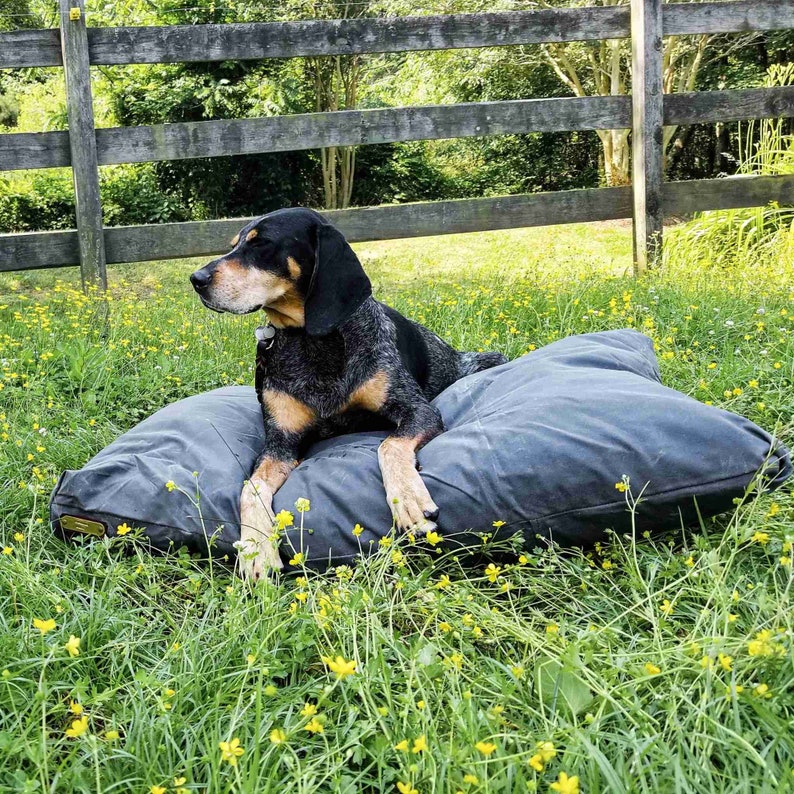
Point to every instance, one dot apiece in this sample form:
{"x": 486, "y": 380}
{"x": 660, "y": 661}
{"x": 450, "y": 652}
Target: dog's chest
{"x": 315, "y": 375}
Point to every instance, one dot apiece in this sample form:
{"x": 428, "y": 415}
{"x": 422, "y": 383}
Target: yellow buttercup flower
{"x": 652, "y": 669}
{"x": 762, "y": 690}
{"x": 308, "y": 710}
{"x": 297, "y": 559}
{"x": 339, "y": 666}
{"x": 762, "y": 645}
{"x": 76, "y": 708}
{"x": 420, "y": 744}
{"x": 157, "y": 790}
{"x": 725, "y": 661}
{"x": 406, "y": 788}
{"x": 315, "y": 726}
{"x": 73, "y": 645}
{"x": 402, "y": 747}
{"x": 357, "y": 530}
{"x": 565, "y": 784}
{"x": 486, "y": 748}
{"x": 284, "y": 519}
{"x": 492, "y": 572}
{"x": 547, "y": 751}
{"x": 44, "y": 625}
{"x": 433, "y": 538}
{"x": 123, "y": 529}
{"x": 78, "y": 728}
{"x": 231, "y": 751}
{"x": 171, "y": 485}
{"x": 277, "y": 736}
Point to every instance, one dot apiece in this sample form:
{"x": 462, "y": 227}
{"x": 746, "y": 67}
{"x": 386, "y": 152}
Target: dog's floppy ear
{"x": 338, "y": 284}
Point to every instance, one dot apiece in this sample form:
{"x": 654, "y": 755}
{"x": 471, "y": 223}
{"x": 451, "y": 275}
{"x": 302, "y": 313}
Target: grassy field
{"x": 673, "y": 658}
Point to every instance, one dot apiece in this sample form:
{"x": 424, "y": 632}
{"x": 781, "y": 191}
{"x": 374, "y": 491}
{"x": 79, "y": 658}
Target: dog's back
{"x": 432, "y": 362}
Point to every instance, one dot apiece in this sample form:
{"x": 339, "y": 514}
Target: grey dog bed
{"x": 538, "y": 443}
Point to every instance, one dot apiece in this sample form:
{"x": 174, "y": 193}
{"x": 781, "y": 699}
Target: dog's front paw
{"x": 257, "y": 550}
{"x": 256, "y": 558}
{"x": 411, "y": 505}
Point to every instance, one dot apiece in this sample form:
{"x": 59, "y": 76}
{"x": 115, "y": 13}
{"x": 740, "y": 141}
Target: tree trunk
{"x": 617, "y": 157}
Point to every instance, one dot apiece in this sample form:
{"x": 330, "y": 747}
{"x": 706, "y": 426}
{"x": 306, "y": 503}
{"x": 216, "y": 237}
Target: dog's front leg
{"x": 258, "y": 550}
{"x": 409, "y": 500}
{"x": 287, "y": 421}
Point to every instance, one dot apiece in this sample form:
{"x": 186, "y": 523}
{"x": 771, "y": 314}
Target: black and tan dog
{"x": 338, "y": 361}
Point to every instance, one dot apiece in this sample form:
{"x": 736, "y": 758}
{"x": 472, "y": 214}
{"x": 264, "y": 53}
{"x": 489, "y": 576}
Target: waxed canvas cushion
{"x": 537, "y": 443}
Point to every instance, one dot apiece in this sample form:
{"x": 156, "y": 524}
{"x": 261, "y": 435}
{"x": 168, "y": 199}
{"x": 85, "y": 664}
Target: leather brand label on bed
{"x": 84, "y": 525}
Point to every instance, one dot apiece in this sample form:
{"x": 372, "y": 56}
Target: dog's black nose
{"x": 200, "y": 279}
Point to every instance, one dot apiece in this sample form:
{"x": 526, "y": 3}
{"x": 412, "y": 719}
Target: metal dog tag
{"x": 265, "y": 334}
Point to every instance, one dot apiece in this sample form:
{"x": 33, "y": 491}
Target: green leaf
{"x": 558, "y": 684}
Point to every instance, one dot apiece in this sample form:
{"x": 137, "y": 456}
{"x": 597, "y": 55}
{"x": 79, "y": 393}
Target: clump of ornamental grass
{"x": 763, "y": 235}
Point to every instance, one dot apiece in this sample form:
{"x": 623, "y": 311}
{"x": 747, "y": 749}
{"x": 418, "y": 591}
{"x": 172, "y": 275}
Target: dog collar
{"x": 265, "y": 335}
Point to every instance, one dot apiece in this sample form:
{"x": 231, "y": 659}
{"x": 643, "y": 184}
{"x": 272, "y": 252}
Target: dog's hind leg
{"x": 469, "y": 363}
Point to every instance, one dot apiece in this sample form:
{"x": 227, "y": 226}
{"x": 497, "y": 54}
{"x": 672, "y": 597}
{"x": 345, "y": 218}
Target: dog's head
{"x": 293, "y": 264}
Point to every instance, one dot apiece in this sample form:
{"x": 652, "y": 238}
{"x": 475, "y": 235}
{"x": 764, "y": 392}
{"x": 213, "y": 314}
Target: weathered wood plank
{"x": 200, "y": 238}
{"x": 313, "y": 130}
{"x": 30, "y": 48}
{"x": 179, "y": 43}
{"x": 34, "y": 250}
{"x": 24, "y": 150}
{"x": 647, "y": 148}
{"x": 739, "y": 16}
{"x": 354, "y": 127}
{"x": 385, "y": 223}
{"x": 735, "y": 192}
{"x": 204, "y": 238}
{"x": 710, "y": 106}
{"x": 82, "y": 142}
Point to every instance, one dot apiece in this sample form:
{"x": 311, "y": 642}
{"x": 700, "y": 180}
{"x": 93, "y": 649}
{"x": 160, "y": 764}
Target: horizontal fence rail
{"x": 385, "y": 125}
{"x": 204, "y": 238}
{"x": 248, "y": 41}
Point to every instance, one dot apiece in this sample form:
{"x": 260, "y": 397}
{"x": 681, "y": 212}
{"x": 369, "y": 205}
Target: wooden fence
{"x": 76, "y": 48}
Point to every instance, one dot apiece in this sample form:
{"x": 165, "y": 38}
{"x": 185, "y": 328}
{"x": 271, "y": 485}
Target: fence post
{"x": 647, "y": 131}
{"x": 82, "y": 141}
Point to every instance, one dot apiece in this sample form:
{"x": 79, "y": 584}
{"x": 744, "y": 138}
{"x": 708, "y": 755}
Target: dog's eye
{"x": 260, "y": 242}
